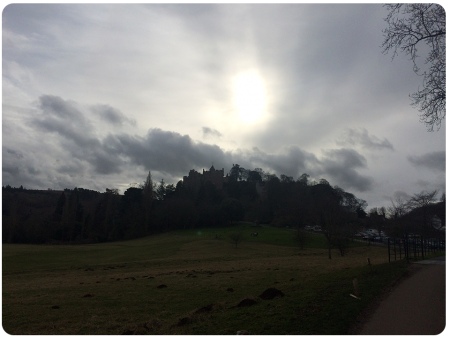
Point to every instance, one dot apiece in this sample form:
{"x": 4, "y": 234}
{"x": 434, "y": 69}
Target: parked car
{"x": 309, "y": 228}
{"x": 317, "y": 228}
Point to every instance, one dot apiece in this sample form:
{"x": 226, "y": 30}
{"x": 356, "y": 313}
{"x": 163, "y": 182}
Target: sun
{"x": 249, "y": 97}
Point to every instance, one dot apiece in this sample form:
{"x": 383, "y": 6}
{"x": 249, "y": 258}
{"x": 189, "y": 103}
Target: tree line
{"x": 86, "y": 216}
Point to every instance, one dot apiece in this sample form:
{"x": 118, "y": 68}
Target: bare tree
{"x": 422, "y": 202}
{"x": 410, "y": 26}
{"x": 396, "y": 212}
{"x": 236, "y": 237}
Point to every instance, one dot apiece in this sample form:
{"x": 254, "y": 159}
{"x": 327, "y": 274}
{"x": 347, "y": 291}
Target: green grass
{"x": 198, "y": 267}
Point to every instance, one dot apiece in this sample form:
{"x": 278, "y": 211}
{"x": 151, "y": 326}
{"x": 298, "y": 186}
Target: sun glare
{"x": 249, "y": 96}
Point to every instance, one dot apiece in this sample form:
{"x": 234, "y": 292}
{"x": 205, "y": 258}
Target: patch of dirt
{"x": 271, "y": 293}
{"x": 143, "y": 329}
{"x": 230, "y": 290}
{"x": 247, "y": 302}
{"x": 162, "y": 286}
{"x": 87, "y": 295}
{"x": 207, "y": 308}
{"x": 55, "y": 307}
{"x": 184, "y": 321}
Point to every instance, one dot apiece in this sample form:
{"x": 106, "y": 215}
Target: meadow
{"x": 190, "y": 282}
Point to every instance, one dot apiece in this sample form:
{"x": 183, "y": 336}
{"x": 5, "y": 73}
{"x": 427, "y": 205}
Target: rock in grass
{"x": 184, "y": 321}
{"x": 162, "y": 286}
{"x": 55, "y": 307}
{"x": 87, "y": 295}
{"x": 207, "y": 308}
{"x": 230, "y": 290}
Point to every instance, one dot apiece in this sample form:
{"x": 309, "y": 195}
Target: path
{"x": 416, "y": 306}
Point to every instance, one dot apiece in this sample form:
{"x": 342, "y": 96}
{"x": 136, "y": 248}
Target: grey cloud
{"x": 55, "y": 105}
{"x": 209, "y": 132}
{"x": 11, "y": 170}
{"x": 361, "y": 137}
{"x": 14, "y": 153}
{"x": 33, "y": 171}
{"x": 399, "y": 194}
{"x": 165, "y": 151}
{"x": 112, "y": 115}
{"x": 422, "y": 183}
{"x": 341, "y": 165}
{"x": 63, "y": 117}
{"x": 291, "y": 161}
{"x": 434, "y": 160}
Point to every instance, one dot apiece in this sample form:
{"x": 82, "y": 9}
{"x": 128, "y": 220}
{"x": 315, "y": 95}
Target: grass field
{"x": 189, "y": 282}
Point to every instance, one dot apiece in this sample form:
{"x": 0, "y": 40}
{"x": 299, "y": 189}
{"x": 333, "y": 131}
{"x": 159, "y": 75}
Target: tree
{"x": 254, "y": 176}
{"x": 409, "y": 27}
{"x": 302, "y": 238}
{"x": 161, "y": 190}
{"x": 236, "y": 237}
{"x": 422, "y": 202}
{"x": 147, "y": 190}
{"x": 303, "y": 179}
{"x": 236, "y": 173}
{"x": 232, "y": 210}
{"x": 112, "y": 191}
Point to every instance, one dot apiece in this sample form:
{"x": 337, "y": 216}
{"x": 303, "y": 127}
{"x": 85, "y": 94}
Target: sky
{"x": 96, "y": 96}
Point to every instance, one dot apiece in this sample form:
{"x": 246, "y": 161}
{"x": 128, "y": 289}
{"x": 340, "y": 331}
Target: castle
{"x": 195, "y": 179}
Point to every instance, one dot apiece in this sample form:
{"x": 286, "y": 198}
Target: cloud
{"x": 361, "y": 137}
{"x": 81, "y": 153}
{"x": 14, "y": 153}
{"x": 64, "y": 118}
{"x": 399, "y": 194}
{"x": 341, "y": 165}
{"x": 209, "y": 132}
{"x": 164, "y": 151}
{"x": 434, "y": 160}
{"x": 112, "y": 115}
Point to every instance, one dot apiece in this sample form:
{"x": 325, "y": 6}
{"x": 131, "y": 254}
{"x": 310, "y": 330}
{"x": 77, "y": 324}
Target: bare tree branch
{"x": 411, "y": 25}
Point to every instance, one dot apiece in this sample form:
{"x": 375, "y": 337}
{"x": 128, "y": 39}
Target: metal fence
{"x": 413, "y": 247}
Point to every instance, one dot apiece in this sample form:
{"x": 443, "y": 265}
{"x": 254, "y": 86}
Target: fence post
{"x": 389, "y": 249}
{"x": 395, "y": 251}
{"x": 406, "y": 247}
{"x": 421, "y": 242}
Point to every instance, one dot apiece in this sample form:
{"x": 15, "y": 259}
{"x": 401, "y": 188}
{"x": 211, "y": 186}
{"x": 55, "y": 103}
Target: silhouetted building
{"x": 195, "y": 179}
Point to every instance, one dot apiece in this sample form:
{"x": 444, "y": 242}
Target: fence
{"x": 414, "y": 247}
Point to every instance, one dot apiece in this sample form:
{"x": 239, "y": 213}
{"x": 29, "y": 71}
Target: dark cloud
{"x": 362, "y": 137}
{"x": 33, "y": 171}
{"x": 400, "y": 194}
{"x": 165, "y": 151}
{"x": 11, "y": 170}
{"x": 112, "y": 115}
{"x": 434, "y": 160}
{"x": 341, "y": 164}
{"x": 291, "y": 161}
{"x": 14, "y": 153}
{"x": 63, "y": 117}
{"x": 209, "y": 132}
{"x": 173, "y": 154}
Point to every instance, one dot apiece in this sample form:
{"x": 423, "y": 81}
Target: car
{"x": 309, "y": 228}
{"x": 317, "y": 228}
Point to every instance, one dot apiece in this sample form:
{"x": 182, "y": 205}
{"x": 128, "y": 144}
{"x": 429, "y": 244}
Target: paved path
{"x": 415, "y": 307}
